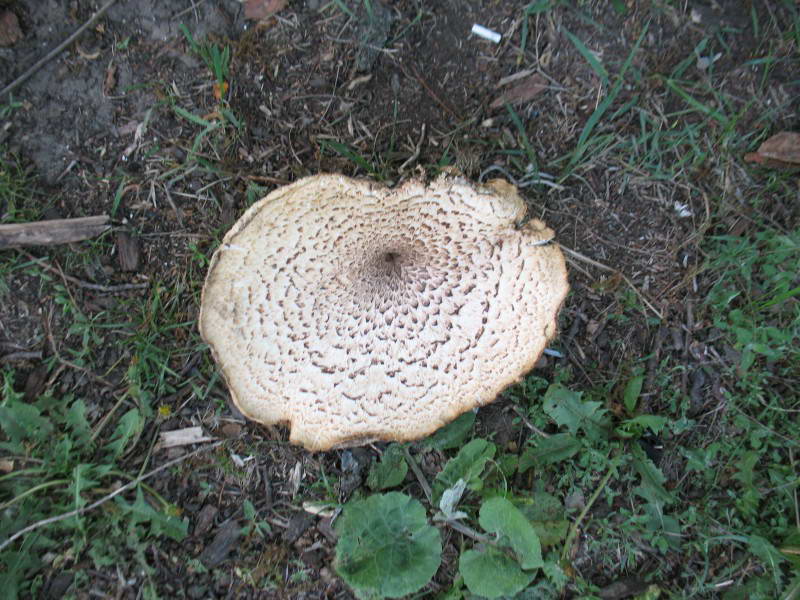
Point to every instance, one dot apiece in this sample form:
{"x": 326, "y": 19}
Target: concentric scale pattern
{"x": 354, "y": 312}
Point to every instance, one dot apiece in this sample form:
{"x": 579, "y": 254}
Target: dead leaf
{"x": 214, "y": 115}
{"x": 261, "y": 9}
{"x": 781, "y": 150}
{"x": 220, "y": 89}
{"x": 127, "y": 251}
{"x": 10, "y": 33}
{"x": 525, "y": 90}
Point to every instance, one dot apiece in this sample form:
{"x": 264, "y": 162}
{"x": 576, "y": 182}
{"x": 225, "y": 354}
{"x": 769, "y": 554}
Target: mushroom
{"x": 353, "y": 312}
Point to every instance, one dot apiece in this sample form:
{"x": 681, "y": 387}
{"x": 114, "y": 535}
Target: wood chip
{"x": 205, "y": 519}
{"x": 55, "y": 231}
{"x": 182, "y": 437}
{"x": 298, "y": 525}
{"x": 524, "y": 91}
{"x": 127, "y": 251}
{"x": 231, "y": 430}
{"x": 225, "y": 540}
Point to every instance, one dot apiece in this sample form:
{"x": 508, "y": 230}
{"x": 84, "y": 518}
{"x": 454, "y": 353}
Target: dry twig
{"x": 55, "y": 51}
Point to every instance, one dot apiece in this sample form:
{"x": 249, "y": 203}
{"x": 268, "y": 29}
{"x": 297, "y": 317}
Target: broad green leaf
{"x": 386, "y": 546}
{"x": 546, "y": 514}
{"x": 500, "y": 516}
{"x": 567, "y": 409}
{"x": 549, "y": 450}
{"x": 390, "y": 470}
{"x": 632, "y": 391}
{"x": 453, "y": 434}
{"x": 468, "y": 465}
{"x": 652, "y": 486}
{"x": 492, "y": 574}
{"x": 129, "y": 426}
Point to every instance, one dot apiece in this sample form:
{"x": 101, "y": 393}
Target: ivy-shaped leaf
{"x": 75, "y": 417}
{"x": 567, "y": 409}
{"x": 128, "y": 427}
{"x": 160, "y": 523}
{"x": 468, "y": 465}
{"x": 652, "y": 486}
{"x": 549, "y": 450}
{"x": 390, "y": 470}
{"x": 386, "y": 546}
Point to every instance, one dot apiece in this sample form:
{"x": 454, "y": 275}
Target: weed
{"x": 58, "y": 466}
{"x": 15, "y": 191}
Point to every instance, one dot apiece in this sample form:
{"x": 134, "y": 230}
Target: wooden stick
{"x": 55, "y": 231}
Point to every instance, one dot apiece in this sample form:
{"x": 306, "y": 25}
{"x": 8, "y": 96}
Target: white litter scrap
{"x": 183, "y": 437}
{"x": 239, "y": 461}
{"x": 683, "y": 210}
{"x": 486, "y": 34}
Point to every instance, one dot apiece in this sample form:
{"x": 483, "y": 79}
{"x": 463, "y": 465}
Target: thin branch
{"x": 602, "y": 267}
{"x": 470, "y": 532}
{"x": 528, "y": 423}
{"x": 426, "y": 488}
{"x": 573, "y": 531}
{"x": 37, "y": 355}
{"x": 55, "y": 51}
{"x": 104, "y": 499}
{"x": 107, "y": 289}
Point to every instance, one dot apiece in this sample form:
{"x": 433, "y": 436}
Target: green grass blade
{"x": 696, "y": 104}
{"x": 529, "y": 151}
{"x": 182, "y": 112}
{"x": 601, "y": 109}
{"x": 349, "y": 154}
{"x": 590, "y": 57}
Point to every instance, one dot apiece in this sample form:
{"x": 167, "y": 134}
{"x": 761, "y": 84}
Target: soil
{"x": 98, "y": 128}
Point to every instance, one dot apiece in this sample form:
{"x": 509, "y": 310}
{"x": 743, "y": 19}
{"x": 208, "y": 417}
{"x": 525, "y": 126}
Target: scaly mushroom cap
{"x": 354, "y": 312}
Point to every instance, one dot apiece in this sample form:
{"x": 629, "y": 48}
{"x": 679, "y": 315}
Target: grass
{"x": 675, "y": 471}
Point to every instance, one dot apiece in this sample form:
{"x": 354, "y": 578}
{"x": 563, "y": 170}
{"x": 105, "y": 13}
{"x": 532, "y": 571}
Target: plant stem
{"x": 33, "y": 490}
{"x": 573, "y": 531}
{"x": 426, "y": 488}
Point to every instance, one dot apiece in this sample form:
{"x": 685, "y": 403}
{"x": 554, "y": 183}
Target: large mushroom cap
{"x": 354, "y": 312}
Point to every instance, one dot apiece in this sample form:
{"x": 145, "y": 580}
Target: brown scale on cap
{"x": 353, "y": 312}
